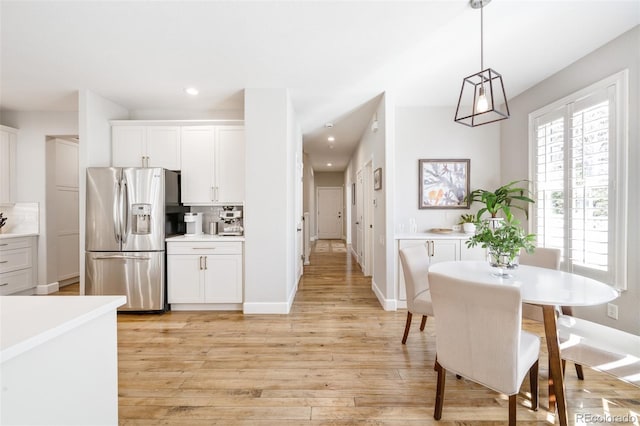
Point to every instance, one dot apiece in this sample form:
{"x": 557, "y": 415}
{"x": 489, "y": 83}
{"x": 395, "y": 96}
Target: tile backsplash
{"x": 212, "y": 214}
{"x": 22, "y": 218}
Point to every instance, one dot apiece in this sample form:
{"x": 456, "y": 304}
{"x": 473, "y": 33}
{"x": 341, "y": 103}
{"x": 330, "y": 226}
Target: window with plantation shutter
{"x": 578, "y": 168}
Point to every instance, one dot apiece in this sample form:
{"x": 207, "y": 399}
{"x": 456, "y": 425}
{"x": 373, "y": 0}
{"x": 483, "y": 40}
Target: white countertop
{"x": 455, "y": 235}
{"x": 18, "y": 235}
{"x": 29, "y": 321}
{"x": 205, "y": 238}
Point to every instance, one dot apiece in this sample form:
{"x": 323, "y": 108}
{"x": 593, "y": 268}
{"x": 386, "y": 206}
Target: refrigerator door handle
{"x": 122, "y": 256}
{"x": 116, "y": 213}
{"x": 124, "y": 211}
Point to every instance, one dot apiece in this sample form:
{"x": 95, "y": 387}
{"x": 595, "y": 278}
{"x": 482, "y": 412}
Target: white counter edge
{"x": 207, "y": 238}
{"x": 18, "y": 235}
{"x": 433, "y": 236}
{"x": 111, "y": 303}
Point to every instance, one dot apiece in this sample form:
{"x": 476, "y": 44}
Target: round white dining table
{"x": 539, "y": 286}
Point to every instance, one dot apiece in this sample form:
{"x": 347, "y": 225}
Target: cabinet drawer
{"x": 11, "y": 282}
{"x": 205, "y": 247}
{"x": 14, "y": 243}
{"x": 12, "y": 260}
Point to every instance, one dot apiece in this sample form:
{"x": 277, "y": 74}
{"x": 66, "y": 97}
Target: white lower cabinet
{"x": 17, "y": 260}
{"x": 439, "y": 250}
{"x": 202, "y": 275}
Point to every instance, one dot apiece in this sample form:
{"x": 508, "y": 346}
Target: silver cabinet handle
{"x": 4, "y": 261}
{"x": 205, "y": 262}
{"x": 4, "y": 284}
{"x": 5, "y": 244}
{"x": 200, "y": 263}
{"x": 203, "y": 248}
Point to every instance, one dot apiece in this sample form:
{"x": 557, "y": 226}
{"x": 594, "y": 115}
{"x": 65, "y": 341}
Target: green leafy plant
{"x": 502, "y": 199}
{"x": 504, "y": 242}
{"x": 467, "y": 218}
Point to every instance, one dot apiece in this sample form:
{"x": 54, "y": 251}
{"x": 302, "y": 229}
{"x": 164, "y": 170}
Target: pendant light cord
{"x": 481, "y": 39}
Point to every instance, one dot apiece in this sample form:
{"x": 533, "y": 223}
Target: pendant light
{"x": 482, "y": 97}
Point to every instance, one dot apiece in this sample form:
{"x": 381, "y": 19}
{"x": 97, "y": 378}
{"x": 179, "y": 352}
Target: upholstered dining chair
{"x": 544, "y": 257}
{"x": 479, "y": 336}
{"x": 415, "y": 267}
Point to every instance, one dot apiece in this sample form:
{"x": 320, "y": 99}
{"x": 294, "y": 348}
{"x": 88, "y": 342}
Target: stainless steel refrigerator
{"x": 129, "y": 213}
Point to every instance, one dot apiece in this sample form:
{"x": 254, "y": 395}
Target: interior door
{"x": 329, "y": 213}
{"x": 360, "y": 217}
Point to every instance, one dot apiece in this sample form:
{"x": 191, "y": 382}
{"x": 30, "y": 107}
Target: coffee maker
{"x": 194, "y": 223}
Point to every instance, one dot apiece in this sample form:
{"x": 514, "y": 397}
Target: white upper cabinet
{"x": 212, "y": 164}
{"x": 230, "y": 163}
{"x": 198, "y": 150}
{"x": 8, "y": 139}
{"x": 145, "y": 146}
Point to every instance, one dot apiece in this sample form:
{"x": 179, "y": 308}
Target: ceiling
{"x": 335, "y": 57}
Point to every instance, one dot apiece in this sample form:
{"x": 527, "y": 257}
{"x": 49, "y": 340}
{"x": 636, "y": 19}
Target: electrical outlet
{"x": 457, "y": 228}
{"x": 612, "y": 311}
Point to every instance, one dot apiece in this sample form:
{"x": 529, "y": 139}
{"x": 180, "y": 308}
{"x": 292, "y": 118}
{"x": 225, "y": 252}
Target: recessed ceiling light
{"x": 329, "y": 164}
{"x": 331, "y": 139}
{"x": 191, "y": 91}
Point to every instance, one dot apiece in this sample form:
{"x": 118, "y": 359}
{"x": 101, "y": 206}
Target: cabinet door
{"x": 444, "y": 250}
{"x": 163, "y": 147}
{"x": 7, "y": 166}
{"x": 197, "y": 148}
{"x": 127, "y": 146}
{"x": 229, "y": 170}
{"x": 185, "y": 278}
{"x": 223, "y": 279}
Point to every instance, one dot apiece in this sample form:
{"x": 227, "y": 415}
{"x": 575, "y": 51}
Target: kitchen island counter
{"x": 59, "y": 354}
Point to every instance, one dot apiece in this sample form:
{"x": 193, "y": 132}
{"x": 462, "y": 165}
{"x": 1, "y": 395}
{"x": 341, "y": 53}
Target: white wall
{"x": 431, "y": 133}
{"x": 95, "y": 112}
{"x": 621, "y": 53}
{"x": 373, "y": 147}
{"x": 31, "y": 163}
{"x": 270, "y": 159}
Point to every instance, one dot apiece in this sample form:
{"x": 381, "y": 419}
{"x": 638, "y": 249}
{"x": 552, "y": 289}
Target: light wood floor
{"x": 335, "y": 359}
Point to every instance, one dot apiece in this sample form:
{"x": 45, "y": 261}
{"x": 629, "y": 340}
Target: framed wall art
{"x": 443, "y": 184}
{"x": 377, "y": 179}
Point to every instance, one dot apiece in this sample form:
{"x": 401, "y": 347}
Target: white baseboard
{"x": 387, "y": 304}
{"x": 206, "y": 306}
{"x": 266, "y": 307}
{"x": 313, "y": 239}
{"x": 47, "y": 288}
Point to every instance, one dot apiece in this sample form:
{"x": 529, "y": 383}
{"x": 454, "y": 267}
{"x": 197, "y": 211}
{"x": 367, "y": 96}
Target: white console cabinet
{"x": 440, "y": 248}
{"x": 204, "y": 274}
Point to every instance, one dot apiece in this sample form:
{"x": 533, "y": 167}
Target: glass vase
{"x": 502, "y": 263}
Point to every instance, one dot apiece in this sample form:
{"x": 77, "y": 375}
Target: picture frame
{"x": 377, "y": 179}
{"x": 443, "y": 183}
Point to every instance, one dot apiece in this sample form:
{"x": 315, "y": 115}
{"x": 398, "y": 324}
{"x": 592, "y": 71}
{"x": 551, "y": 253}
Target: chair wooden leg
{"x": 579, "y": 372}
{"x": 437, "y": 412}
{"x": 423, "y": 323}
{"x": 512, "y": 410}
{"x": 533, "y": 386}
{"x": 407, "y": 327}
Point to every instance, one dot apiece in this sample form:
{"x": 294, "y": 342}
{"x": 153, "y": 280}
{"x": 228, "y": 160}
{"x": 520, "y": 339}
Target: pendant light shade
{"x": 482, "y": 97}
